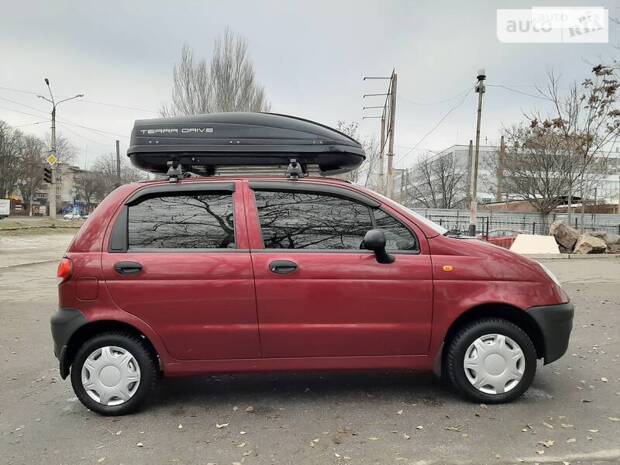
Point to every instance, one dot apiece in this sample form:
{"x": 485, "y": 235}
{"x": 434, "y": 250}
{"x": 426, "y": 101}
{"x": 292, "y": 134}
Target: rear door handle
{"x": 127, "y": 268}
{"x": 282, "y": 267}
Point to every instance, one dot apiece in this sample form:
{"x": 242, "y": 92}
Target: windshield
{"x": 431, "y": 224}
{"x": 422, "y": 219}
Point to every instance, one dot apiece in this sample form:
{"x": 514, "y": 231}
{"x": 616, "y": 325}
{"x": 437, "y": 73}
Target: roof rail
{"x": 294, "y": 170}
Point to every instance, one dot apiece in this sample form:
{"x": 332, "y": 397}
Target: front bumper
{"x": 65, "y": 322}
{"x": 555, "y": 323}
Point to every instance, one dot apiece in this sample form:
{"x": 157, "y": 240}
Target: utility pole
{"x": 392, "y": 120}
{"x": 51, "y": 196}
{"x": 595, "y": 209}
{"x": 118, "y": 164}
{"x": 500, "y": 170}
{"x": 387, "y": 117}
{"x": 381, "y": 159}
{"x": 583, "y": 195}
{"x": 473, "y": 191}
{"x": 53, "y": 157}
{"x": 470, "y": 162}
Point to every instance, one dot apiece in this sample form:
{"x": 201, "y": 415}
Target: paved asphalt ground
{"x": 570, "y": 415}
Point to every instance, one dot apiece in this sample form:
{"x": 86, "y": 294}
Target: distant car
{"x": 72, "y": 216}
{"x": 501, "y": 237}
{"x": 5, "y": 208}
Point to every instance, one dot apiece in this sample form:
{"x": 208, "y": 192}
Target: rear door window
{"x": 193, "y": 220}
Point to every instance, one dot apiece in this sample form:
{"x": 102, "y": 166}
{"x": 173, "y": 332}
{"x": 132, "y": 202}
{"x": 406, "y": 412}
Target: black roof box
{"x": 203, "y": 143}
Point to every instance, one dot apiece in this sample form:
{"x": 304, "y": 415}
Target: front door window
{"x": 299, "y": 220}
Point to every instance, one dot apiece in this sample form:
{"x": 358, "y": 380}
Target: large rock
{"x": 599, "y": 234}
{"x": 611, "y": 240}
{"x": 589, "y": 244}
{"x": 564, "y": 235}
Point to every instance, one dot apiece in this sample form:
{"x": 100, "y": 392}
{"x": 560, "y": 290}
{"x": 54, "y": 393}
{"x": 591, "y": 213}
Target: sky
{"x": 310, "y": 56}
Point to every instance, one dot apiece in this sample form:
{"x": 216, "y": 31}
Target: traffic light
{"x": 47, "y": 175}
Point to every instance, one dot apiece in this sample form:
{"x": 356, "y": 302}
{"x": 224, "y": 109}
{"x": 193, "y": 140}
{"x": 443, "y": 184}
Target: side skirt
{"x": 400, "y": 362}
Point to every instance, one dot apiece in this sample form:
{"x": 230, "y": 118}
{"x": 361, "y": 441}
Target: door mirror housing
{"x": 375, "y": 240}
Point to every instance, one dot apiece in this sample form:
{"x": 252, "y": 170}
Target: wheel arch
{"x": 88, "y": 330}
{"x": 507, "y": 312}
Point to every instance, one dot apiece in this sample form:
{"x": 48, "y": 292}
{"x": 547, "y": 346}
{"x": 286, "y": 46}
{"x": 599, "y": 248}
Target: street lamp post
{"x": 53, "y": 148}
{"x": 473, "y": 192}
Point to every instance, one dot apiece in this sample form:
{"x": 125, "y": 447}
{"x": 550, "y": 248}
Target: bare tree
{"x": 435, "y": 181}
{"x": 105, "y": 167}
{"x": 586, "y": 121}
{"x": 65, "y": 150}
{"x": 9, "y": 159}
{"x": 227, "y": 83}
{"x": 90, "y": 186}
{"x": 367, "y": 173}
{"x": 535, "y": 167}
{"x": 32, "y": 152}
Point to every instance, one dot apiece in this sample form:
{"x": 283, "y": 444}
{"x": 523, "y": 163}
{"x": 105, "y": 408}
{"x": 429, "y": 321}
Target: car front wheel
{"x": 491, "y": 361}
{"x": 113, "y": 373}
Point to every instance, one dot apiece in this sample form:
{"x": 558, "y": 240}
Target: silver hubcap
{"x": 111, "y": 375}
{"x": 494, "y": 364}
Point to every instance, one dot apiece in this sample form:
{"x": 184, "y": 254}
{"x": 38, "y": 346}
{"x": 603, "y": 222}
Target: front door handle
{"x": 127, "y": 268}
{"x": 282, "y": 267}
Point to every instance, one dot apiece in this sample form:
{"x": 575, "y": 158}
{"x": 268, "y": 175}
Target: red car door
{"x": 178, "y": 259}
{"x": 318, "y": 293}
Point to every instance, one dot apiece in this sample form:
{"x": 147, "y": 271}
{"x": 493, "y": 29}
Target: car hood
{"x": 498, "y": 262}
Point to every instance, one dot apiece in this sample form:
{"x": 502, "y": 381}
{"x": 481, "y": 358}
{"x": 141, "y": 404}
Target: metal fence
{"x": 528, "y": 223}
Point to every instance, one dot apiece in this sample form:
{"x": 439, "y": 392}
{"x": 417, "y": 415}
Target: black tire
{"x": 140, "y": 351}
{"x": 455, "y": 358}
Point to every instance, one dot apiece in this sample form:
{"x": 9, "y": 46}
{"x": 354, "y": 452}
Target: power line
{"x": 32, "y": 124}
{"x": 65, "y": 122}
{"x": 82, "y": 136}
{"x": 23, "y": 105}
{"x": 19, "y": 111}
{"x": 95, "y": 130}
{"x": 518, "y": 91}
{"x": 438, "y": 124}
{"x": 120, "y": 106}
{"x": 460, "y": 94}
{"x": 18, "y": 90}
{"x": 108, "y": 104}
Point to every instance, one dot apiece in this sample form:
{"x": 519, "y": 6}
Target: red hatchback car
{"x": 263, "y": 274}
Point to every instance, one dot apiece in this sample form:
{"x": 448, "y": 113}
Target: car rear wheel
{"x": 491, "y": 361}
{"x": 113, "y": 373}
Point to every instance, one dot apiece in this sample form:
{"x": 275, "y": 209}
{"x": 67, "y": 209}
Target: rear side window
{"x": 182, "y": 221}
{"x": 299, "y": 220}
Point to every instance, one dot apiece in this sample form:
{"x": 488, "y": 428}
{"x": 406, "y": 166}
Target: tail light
{"x": 65, "y": 268}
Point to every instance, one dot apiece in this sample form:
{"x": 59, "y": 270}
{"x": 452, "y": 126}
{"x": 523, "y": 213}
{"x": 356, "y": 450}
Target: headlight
{"x": 550, "y": 274}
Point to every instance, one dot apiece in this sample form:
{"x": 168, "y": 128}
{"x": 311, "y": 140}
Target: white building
{"x": 608, "y": 186}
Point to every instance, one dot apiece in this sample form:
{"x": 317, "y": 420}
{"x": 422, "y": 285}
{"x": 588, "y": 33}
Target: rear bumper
{"x": 65, "y": 322}
{"x": 555, "y": 323}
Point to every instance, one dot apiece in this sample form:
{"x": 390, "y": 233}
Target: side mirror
{"x": 375, "y": 240}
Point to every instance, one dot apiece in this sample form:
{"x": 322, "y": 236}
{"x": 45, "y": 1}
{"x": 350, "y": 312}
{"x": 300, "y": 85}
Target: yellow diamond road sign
{"x": 52, "y": 159}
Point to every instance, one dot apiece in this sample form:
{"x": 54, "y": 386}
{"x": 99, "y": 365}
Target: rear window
{"x": 182, "y": 221}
